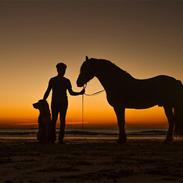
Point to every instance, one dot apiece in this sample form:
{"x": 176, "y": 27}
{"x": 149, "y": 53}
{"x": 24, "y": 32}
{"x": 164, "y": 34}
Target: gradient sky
{"x": 143, "y": 37}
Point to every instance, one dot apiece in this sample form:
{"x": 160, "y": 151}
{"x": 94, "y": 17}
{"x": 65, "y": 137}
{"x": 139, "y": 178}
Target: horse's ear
{"x": 87, "y": 58}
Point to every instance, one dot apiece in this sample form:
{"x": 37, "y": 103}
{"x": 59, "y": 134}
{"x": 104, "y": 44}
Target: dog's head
{"x": 41, "y": 105}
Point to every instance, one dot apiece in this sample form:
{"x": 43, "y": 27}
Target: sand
{"x": 102, "y": 161}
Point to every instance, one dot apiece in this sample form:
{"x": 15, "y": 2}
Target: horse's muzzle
{"x": 79, "y": 83}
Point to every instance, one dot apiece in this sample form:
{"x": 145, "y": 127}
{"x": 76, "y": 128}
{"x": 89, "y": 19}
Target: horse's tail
{"x": 178, "y": 110}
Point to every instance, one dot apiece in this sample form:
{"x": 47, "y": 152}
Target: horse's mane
{"x": 112, "y": 68}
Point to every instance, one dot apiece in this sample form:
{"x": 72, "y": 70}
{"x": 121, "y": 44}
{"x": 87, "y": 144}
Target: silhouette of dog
{"x": 44, "y": 134}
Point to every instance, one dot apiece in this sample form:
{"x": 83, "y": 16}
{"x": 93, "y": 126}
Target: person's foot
{"x": 61, "y": 142}
{"x": 122, "y": 140}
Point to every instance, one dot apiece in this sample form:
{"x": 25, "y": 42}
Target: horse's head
{"x": 86, "y": 72}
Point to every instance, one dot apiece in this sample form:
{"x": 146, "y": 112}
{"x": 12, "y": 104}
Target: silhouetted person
{"x": 59, "y": 86}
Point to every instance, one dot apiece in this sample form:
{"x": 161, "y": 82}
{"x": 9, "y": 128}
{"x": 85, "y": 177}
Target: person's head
{"x": 61, "y": 68}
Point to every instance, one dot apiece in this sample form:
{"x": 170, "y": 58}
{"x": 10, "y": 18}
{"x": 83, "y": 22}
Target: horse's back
{"x": 145, "y": 93}
{"x": 159, "y": 83}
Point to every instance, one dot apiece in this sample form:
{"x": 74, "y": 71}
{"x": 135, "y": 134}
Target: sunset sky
{"x": 143, "y": 37}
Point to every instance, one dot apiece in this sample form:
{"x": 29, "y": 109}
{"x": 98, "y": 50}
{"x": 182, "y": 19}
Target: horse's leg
{"x": 120, "y": 114}
{"x": 170, "y": 117}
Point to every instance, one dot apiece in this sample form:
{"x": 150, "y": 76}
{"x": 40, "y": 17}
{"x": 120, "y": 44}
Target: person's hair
{"x": 61, "y": 66}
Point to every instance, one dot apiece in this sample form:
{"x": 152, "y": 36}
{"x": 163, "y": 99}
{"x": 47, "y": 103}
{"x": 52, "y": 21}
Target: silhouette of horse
{"x": 124, "y": 91}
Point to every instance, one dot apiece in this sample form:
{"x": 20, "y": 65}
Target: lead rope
{"x": 92, "y": 94}
{"x": 82, "y": 111}
{"x": 83, "y": 108}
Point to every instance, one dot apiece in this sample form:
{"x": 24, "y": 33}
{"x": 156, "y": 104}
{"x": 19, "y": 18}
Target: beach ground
{"x": 149, "y": 161}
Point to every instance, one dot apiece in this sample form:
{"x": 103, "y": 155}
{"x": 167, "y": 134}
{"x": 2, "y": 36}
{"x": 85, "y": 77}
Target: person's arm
{"x": 71, "y": 92}
{"x": 47, "y": 91}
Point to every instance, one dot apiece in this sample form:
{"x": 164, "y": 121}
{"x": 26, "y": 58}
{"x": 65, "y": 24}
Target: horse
{"x": 124, "y": 91}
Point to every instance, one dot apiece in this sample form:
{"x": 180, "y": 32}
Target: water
{"x": 83, "y": 134}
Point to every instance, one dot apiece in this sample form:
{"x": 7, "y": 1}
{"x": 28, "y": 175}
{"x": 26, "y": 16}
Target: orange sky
{"x": 143, "y": 37}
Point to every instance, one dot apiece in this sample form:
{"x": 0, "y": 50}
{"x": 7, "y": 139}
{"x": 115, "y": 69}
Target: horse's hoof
{"x": 121, "y": 141}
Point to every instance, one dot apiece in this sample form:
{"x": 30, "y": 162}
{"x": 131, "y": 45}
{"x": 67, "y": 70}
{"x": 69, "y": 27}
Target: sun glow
{"x": 35, "y": 36}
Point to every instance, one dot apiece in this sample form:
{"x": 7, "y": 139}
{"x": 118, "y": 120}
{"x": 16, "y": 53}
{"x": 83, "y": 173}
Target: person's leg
{"x": 63, "y": 112}
{"x": 54, "y": 112}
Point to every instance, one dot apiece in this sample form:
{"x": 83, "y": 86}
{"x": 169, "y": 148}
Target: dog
{"x": 45, "y": 127}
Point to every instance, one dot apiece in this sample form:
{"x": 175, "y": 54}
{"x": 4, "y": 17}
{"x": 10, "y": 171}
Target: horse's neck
{"x": 106, "y": 83}
{"x": 109, "y": 79}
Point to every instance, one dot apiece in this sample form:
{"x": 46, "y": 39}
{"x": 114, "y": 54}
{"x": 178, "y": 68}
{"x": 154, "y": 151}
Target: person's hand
{"x": 82, "y": 91}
